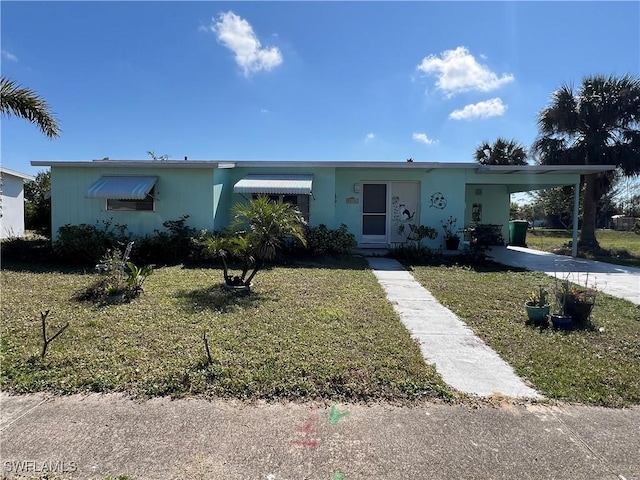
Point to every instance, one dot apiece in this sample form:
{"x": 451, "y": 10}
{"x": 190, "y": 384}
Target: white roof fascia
{"x": 23, "y": 176}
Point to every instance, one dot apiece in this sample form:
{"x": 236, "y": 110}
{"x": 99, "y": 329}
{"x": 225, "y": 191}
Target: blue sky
{"x": 300, "y": 80}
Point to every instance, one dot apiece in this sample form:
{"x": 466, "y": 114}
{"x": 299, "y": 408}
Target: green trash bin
{"x": 518, "y": 232}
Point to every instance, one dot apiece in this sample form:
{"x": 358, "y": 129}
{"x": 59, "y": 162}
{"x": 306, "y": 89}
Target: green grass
{"x": 589, "y": 366}
{"x": 622, "y": 248}
{"x": 310, "y": 331}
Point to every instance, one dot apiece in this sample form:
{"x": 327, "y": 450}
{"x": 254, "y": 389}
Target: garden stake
{"x": 46, "y": 342}
{"x": 206, "y": 347}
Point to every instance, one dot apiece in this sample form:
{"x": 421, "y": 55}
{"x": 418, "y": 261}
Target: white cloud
{"x": 264, "y": 110}
{"x": 422, "y": 137}
{"x": 369, "y": 137}
{"x": 9, "y": 56}
{"x": 458, "y": 71}
{"x": 486, "y": 109}
{"x": 237, "y": 35}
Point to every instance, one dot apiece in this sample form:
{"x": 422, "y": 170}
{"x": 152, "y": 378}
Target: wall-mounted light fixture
{"x": 356, "y": 188}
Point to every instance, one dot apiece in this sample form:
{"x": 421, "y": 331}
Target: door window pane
{"x": 374, "y": 198}
{"x": 374, "y": 225}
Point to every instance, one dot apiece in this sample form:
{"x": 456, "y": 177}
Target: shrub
{"x": 81, "y": 244}
{"x": 412, "y": 252}
{"x": 28, "y": 249}
{"x": 322, "y": 240}
{"x": 166, "y": 248}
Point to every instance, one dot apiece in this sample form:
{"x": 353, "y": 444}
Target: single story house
{"x": 12, "y": 202}
{"x": 622, "y": 222}
{"x": 371, "y": 198}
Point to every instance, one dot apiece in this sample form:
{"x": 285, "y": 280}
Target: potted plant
{"x": 538, "y": 306}
{"x": 560, "y": 319}
{"x": 577, "y": 300}
{"x": 451, "y": 237}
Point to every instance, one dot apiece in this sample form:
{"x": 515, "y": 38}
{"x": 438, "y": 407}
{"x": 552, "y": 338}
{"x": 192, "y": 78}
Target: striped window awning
{"x": 275, "y": 184}
{"x": 130, "y": 187}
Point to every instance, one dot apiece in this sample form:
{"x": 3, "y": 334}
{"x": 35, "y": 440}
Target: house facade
{"x": 12, "y": 202}
{"x": 371, "y": 198}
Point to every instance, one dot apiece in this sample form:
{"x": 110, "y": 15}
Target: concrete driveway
{"x": 616, "y": 280}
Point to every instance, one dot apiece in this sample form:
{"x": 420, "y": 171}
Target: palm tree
{"x": 597, "y": 124}
{"x": 25, "y": 103}
{"x": 501, "y": 152}
{"x": 260, "y": 228}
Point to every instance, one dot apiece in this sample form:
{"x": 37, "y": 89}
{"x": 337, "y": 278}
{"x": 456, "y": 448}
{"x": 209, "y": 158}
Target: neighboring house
{"x": 371, "y": 198}
{"x": 621, "y": 222}
{"x": 12, "y": 203}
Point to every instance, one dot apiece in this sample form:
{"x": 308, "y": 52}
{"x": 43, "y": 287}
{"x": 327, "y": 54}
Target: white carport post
{"x": 576, "y": 207}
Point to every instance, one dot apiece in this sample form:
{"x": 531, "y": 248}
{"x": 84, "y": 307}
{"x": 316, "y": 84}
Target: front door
{"x": 387, "y": 210}
{"x": 374, "y": 213}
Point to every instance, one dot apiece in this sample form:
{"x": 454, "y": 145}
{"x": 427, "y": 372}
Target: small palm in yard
{"x": 260, "y": 228}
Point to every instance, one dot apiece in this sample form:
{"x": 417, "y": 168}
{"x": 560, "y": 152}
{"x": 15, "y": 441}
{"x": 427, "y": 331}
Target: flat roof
{"x": 24, "y": 176}
{"x": 227, "y": 164}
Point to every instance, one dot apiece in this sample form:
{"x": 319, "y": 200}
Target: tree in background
{"x": 501, "y": 152}
{"x": 597, "y": 124}
{"x": 37, "y": 207}
{"x": 24, "y": 103}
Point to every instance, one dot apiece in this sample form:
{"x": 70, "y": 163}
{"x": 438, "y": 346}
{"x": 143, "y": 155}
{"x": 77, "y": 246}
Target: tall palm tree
{"x": 25, "y": 103}
{"x": 597, "y": 124}
{"x": 501, "y": 152}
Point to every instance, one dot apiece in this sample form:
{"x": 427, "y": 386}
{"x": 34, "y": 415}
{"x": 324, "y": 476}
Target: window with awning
{"x": 293, "y": 189}
{"x": 275, "y": 184}
{"x": 124, "y": 193}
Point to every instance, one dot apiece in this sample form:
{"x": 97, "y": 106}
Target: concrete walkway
{"x": 463, "y": 360}
{"x": 616, "y": 280}
{"x": 95, "y": 436}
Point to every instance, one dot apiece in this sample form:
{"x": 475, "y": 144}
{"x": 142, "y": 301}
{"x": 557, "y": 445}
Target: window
{"x": 125, "y": 205}
{"x": 300, "y": 201}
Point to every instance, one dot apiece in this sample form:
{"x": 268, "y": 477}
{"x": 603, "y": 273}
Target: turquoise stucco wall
{"x": 206, "y": 194}
{"x": 178, "y": 191}
{"x": 441, "y": 195}
{"x": 495, "y": 205}
{"x": 321, "y": 205}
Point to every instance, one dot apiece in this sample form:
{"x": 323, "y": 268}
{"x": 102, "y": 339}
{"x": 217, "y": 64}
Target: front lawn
{"x": 589, "y": 366}
{"x": 315, "y": 330}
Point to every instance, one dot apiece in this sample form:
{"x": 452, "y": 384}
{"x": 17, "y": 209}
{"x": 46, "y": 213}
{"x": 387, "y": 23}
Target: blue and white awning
{"x": 275, "y": 184}
{"x": 130, "y": 187}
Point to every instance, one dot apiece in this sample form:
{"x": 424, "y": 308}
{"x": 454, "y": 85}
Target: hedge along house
{"x": 371, "y": 198}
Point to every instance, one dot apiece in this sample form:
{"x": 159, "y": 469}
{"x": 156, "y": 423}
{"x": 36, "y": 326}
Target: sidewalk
{"x": 617, "y": 280}
{"x": 464, "y": 361}
{"x": 96, "y": 436}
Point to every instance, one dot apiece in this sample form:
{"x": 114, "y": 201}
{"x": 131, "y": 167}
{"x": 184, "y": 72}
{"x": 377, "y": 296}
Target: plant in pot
{"x": 559, "y": 319}
{"x": 451, "y": 236}
{"x": 577, "y": 300}
{"x": 538, "y": 306}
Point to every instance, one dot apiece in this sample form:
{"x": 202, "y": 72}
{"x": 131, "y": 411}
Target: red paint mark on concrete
{"x": 307, "y": 427}
{"x": 306, "y": 443}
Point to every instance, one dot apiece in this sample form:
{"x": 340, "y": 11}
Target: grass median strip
{"x": 314, "y": 330}
{"x": 598, "y": 367}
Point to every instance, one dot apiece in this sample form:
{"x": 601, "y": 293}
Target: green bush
{"x": 170, "y": 247}
{"x": 28, "y": 249}
{"x": 412, "y": 252}
{"x": 84, "y": 243}
{"x": 322, "y": 240}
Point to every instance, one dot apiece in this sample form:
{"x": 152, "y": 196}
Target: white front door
{"x": 386, "y": 206}
{"x": 374, "y": 213}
